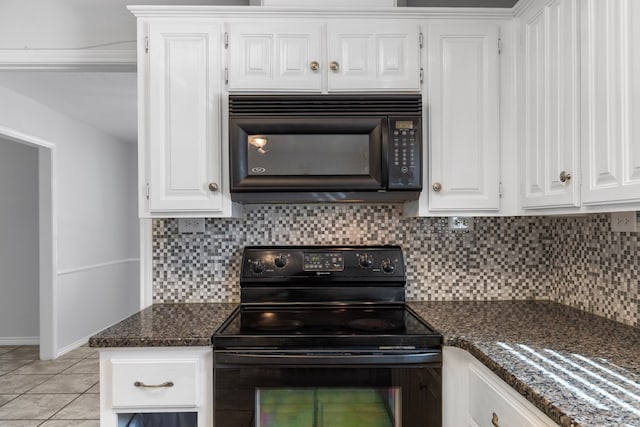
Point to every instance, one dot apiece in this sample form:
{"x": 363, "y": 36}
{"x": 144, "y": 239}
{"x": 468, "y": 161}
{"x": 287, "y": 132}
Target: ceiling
{"x": 106, "y": 100}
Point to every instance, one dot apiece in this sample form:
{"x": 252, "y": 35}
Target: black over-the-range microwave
{"x": 320, "y": 148}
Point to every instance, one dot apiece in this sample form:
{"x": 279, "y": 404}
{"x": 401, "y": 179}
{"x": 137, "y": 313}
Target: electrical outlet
{"x": 191, "y": 225}
{"x": 460, "y": 223}
{"x": 624, "y": 221}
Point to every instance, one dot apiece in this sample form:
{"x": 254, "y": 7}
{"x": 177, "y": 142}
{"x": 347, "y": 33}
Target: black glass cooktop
{"x": 284, "y": 326}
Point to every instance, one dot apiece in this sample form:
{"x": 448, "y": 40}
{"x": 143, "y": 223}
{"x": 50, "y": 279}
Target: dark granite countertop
{"x": 166, "y": 325}
{"x": 579, "y": 369}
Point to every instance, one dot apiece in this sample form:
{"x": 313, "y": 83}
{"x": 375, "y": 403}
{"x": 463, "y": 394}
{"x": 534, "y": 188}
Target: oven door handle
{"x": 233, "y": 358}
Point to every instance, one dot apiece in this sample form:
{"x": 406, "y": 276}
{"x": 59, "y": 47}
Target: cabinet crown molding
{"x": 258, "y": 12}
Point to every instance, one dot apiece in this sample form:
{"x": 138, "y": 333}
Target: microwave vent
{"x": 325, "y": 104}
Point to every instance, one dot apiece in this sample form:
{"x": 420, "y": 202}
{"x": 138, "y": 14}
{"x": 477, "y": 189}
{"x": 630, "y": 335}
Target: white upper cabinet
{"x": 184, "y": 145}
{"x": 463, "y": 120}
{"x": 280, "y": 56}
{"x": 550, "y": 122}
{"x": 610, "y": 41}
{"x": 283, "y": 56}
{"x": 373, "y": 56}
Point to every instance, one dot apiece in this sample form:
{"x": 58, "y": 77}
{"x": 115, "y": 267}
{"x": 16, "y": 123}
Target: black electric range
{"x": 330, "y": 319}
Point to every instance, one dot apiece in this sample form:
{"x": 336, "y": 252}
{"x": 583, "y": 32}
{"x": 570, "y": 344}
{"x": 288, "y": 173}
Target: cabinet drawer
{"x": 134, "y": 381}
{"x": 486, "y": 399}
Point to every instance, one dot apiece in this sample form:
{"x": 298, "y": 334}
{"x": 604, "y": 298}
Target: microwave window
{"x": 308, "y": 154}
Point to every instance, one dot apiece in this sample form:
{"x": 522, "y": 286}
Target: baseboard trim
{"x": 73, "y": 346}
{"x": 19, "y": 340}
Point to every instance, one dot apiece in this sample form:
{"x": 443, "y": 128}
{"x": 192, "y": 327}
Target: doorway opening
{"x": 45, "y": 239}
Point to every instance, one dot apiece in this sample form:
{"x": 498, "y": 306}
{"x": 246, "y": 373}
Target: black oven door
{"x": 307, "y": 153}
{"x": 327, "y": 391}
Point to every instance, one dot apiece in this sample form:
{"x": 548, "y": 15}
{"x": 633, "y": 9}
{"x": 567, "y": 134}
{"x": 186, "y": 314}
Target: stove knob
{"x": 365, "y": 261}
{"x": 388, "y": 266}
{"x": 257, "y": 266}
{"x": 280, "y": 261}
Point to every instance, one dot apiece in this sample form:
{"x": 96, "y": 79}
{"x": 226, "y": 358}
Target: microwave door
{"x": 307, "y": 154}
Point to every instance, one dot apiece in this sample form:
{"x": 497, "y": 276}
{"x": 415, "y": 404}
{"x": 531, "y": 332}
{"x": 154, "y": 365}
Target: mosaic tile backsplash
{"x": 576, "y": 261}
{"x": 594, "y": 269}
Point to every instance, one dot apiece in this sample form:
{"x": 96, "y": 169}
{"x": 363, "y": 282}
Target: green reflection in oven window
{"x": 328, "y": 407}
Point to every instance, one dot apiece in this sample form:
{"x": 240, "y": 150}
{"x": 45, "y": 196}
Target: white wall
{"x": 19, "y": 316}
{"x": 60, "y": 24}
{"x": 95, "y": 221}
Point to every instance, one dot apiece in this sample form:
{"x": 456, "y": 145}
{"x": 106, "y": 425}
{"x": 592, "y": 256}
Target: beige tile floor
{"x": 48, "y": 393}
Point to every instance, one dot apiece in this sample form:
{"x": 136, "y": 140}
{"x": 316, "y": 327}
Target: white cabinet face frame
{"x": 184, "y": 117}
{"x": 463, "y": 103}
{"x": 550, "y": 126}
{"x": 280, "y": 56}
{"x": 374, "y": 55}
{"x": 189, "y": 368}
{"x": 610, "y": 37}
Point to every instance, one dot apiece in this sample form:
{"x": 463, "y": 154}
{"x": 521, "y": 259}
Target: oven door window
{"x": 327, "y": 153}
{"x": 327, "y": 396}
{"x": 326, "y": 406}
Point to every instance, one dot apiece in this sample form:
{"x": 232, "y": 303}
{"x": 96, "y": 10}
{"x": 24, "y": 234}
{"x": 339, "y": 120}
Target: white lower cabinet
{"x": 160, "y": 381}
{"x": 474, "y": 396}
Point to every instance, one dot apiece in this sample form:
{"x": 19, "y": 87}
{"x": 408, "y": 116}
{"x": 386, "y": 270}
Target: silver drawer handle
{"x": 165, "y": 384}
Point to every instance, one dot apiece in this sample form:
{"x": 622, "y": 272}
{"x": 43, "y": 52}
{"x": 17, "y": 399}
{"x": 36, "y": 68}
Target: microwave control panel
{"x": 405, "y": 153}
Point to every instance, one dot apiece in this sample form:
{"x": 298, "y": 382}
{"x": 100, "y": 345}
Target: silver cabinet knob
{"x": 437, "y": 187}
{"x": 565, "y": 176}
{"x": 334, "y": 65}
{"x": 213, "y": 186}
{"x": 314, "y": 65}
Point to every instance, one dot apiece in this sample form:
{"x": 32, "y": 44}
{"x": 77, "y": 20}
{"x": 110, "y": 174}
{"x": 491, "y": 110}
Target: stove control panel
{"x": 348, "y": 264}
{"x": 323, "y": 261}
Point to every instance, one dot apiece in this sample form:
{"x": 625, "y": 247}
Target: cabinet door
{"x": 184, "y": 117}
{"x": 610, "y": 41}
{"x": 373, "y": 55}
{"x": 474, "y": 396}
{"x": 275, "y": 56}
{"x": 550, "y": 105}
{"x": 491, "y": 404}
{"x": 463, "y": 96}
